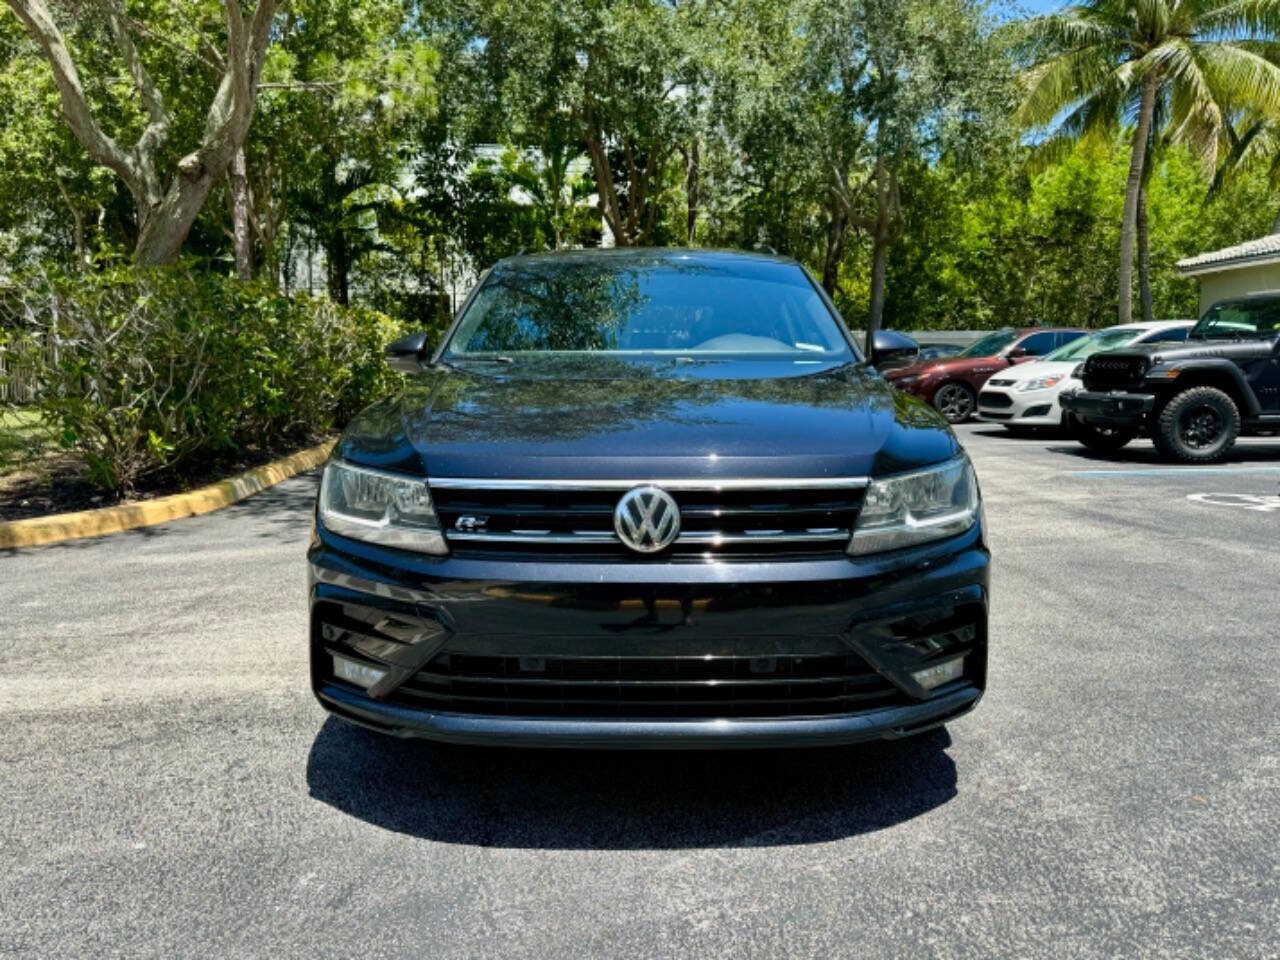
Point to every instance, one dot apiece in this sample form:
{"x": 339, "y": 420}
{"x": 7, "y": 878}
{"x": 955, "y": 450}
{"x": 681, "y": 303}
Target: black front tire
{"x": 1104, "y": 439}
{"x": 1199, "y": 425}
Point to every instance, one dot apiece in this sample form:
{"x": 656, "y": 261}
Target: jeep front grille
{"x": 1104, "y": 372}
{"x": 574, "y": 518}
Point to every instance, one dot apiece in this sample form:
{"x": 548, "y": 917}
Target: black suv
{"x": 1194, "y": 399}
{"x": 648, "y": 498}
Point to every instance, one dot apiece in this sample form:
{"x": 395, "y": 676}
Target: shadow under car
{"x": 551, "y": 799}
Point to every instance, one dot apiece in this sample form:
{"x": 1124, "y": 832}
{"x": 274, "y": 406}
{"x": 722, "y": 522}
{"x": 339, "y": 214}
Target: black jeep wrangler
{"x": 1192, "y": 399}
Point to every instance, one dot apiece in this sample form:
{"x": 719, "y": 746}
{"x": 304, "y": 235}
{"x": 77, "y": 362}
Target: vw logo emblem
{"x": 647, "y": 519}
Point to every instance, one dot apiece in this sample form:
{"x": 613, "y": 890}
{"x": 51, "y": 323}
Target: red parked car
{"x": 952, "y": 385}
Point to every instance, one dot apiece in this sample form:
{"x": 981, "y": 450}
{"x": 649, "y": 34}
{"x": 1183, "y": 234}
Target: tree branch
{"x": 152, "y": 99}
{"x": 75, "y": 107}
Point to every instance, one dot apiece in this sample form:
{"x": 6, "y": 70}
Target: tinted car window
{"x": 1173, "y": 335}
{"x": 1070, "y": 336}
{"x": 1086, "y": 346}
{"x": 1239, "y": 320}
{"x": 989, "y": 345}
{"x": 1039, "y": 344}
{"x": 648, "y": 305}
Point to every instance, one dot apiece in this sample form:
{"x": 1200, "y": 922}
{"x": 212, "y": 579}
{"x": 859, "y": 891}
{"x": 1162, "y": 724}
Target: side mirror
{"x": 406, "y": 354}
{"x": 888, "y": 349}
{"x": 1017, "y": 353}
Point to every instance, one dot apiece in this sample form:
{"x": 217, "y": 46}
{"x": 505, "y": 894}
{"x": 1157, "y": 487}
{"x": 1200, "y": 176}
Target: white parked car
{"x": 1027, "y": 395}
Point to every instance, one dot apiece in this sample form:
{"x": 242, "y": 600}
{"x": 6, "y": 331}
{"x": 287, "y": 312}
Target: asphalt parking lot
{"x": 171, "y": 788}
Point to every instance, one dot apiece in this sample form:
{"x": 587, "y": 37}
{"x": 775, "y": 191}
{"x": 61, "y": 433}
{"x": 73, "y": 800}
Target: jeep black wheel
{"x": 1199, "y": 425}
{"x": 955, "y": 401}
{"x": 1104, "y": 439}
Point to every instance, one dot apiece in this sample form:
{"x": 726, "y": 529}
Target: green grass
{"x": 24, "y": 438}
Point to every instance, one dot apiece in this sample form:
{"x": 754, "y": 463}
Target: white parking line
{"x": 1261, "y": 503}
{"x": 1171, "y": 471}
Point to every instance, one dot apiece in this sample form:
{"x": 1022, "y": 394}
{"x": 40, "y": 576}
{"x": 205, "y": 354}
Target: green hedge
{"x": 141, "y": 370}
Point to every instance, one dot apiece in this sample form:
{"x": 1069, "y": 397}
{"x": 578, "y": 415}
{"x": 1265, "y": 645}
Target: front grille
{"x": 990, "y": 398}
{"x": 648, "y": 686}
{"x": 1108, "y": 372}
{"x": 575, "y": 518}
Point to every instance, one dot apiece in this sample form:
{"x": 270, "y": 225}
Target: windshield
{"x": 1086, "y": 347}
{"x": 1239, "y": 320}
{"x": 989, "y": 345}
{"x": 649, "y": 305}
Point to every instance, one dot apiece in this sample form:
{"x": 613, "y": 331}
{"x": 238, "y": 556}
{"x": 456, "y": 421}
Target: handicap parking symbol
{"x": 1261, "y": 503}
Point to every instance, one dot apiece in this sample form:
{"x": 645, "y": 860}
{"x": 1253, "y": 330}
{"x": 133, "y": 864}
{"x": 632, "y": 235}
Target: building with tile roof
{"x": 1250, "y": 267}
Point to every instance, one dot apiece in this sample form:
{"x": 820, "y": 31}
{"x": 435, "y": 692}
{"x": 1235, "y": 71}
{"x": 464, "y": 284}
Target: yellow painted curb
{"x": 35, "y": 531}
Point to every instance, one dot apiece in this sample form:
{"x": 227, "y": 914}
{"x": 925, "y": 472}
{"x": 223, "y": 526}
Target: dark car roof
{"x": 649, "y": 255}
{"x": 1024, "y": 331}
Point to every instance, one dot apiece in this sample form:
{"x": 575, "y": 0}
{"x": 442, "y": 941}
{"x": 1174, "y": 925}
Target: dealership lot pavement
{"x": 169, "y": 787}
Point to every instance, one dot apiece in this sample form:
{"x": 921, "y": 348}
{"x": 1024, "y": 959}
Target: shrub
{"x": 141, "y": 369}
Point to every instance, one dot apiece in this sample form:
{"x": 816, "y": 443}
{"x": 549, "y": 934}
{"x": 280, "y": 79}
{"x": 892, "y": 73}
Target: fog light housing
{"x": 361, "y": 674}
{"x": 939, "y": 673}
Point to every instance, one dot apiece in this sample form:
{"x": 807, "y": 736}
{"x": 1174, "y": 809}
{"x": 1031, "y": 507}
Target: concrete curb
{"x": 35, "y": 531}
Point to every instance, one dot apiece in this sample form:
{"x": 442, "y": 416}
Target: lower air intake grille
{"x": 648, "y": 686}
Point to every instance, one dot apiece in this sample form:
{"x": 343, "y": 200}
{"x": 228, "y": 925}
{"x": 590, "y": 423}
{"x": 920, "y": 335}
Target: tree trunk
{"x": 692, "y": 161}
{"x": 165, "y": 215}
{"x": 77, "y": 218}
{"x": 836, "y": 231}
{"x": 1144, "y": 257}
{"x": 610, "y": 209}
{"x": 1128, "y": 224}
{"x": 240, "y": 216}
{"x": 163, "y": 229}
{"x": 879, "y": 261}
{"x": 339, "y": 269}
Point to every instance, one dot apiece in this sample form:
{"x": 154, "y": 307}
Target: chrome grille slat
{"x": 672, "y": 486}
{"x": 710, "y": 538}
{"x": 801, "y": 516}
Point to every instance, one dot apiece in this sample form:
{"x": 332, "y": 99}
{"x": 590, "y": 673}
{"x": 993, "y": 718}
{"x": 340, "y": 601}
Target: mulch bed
{"x": 57, "y": 484}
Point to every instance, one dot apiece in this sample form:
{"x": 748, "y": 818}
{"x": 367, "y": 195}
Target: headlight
{"x": 387, "y": 508}
{"x": 914, "y": 508}
{"x": 1040, "y": 383}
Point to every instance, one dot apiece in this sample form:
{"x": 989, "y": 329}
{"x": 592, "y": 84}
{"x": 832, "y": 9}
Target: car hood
{"x": 1196, "y": 349}
{"x": 634, "y": 421}
{"x": 954, "y": 367}
{"x": 1037, "y": 369}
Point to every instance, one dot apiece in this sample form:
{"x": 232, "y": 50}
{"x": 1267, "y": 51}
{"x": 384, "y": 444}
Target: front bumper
{"x": 708, "y": 635}
{"x": 636, "y": 733}
{"x": 1036, "y": 408}
{"x": 1115, "y": 407}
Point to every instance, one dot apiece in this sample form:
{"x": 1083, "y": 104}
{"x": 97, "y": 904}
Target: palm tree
{"x": 1101, "y": 61}
{"x": 1253, "y": 141}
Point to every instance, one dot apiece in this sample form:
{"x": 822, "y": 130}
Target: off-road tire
{"x": 1099, "y": 438}
{"x": 1199, "y": 425}
{"x": 955, "y": 401}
